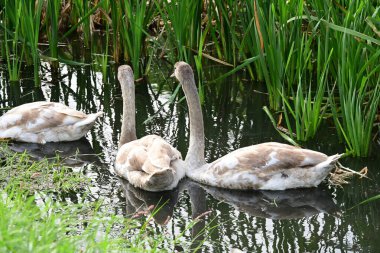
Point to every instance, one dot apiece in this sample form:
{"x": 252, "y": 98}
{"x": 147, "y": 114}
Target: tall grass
{"x": 358, "y": 77}
{"x": 223, "y": 17}
{"x": 307, "y": 107}
{"x": 53, "y": 8}
{"x": 13, "y": 55}
{"x": 287, "y": 45}
{"x": 101, "y": 59}
{"x": 30, "y": 29}
{"x": 21, "y": 21}
{"x": 182, "y": 21}
{"x": 81, "y": 18}
{"x": 268, "y": 35}
{"x": 130, "y": 22}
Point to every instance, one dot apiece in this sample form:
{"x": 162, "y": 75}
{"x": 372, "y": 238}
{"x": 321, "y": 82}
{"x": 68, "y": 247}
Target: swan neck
{"x": 195, "y": 155}
{"x": 128, "y": 126}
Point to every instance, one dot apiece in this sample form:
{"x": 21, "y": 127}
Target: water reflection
{"x": 251, "y": 221}
{"x": 143, "y": 203}
{"x": 289, "y": 204}
{"x": 73, "y": 154}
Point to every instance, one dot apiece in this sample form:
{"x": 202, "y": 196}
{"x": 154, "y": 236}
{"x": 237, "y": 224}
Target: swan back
{"x": 41, "y": 122}
{"x": 150, "y": 163}
{"x": 266, "y": 166}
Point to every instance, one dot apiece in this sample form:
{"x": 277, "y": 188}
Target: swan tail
{"x": 89, "y": 120}
{"x": 329, "y": 163}
{"x": 334, "y": 158}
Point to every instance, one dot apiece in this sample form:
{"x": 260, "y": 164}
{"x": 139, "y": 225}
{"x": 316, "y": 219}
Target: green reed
{"x": 283, "y": 44}
{"x": 12, "y": 54}
{"x": 223, "y": 19}
{"x": 22, "y": 20}
{"x": 53, "y": 8}
{"x": 359, "y": 95}
{"x": 80, "y": 15}
{"x": 30, "y": 30}
{"x": 308, "y": 105}
{"x": 268, "y": 35}
{"x": 101, "y": 58}
{"x": 130, "y": 21}
{"x": 182, "y": 21}
{"x": 357, "y": 73}
{"x": 369, "y": 200}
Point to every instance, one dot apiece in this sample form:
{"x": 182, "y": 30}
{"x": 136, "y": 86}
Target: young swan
{"x": 42, "y": 122}
{"x": 149, "y": 163}
{"x": 266, "y": 166}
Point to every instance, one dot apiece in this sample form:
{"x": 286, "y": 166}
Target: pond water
{"x": 304, "y": 220}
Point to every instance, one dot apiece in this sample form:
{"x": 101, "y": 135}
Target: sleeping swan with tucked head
{"x": 41, "y": 122}
{"x": 265, "y": 166}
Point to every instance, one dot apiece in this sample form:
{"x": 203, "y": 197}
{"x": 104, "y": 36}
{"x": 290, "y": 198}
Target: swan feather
{"x": 266, "y": 166}
{"x": 150, "y": 163}
{"x": 42, "y": 122}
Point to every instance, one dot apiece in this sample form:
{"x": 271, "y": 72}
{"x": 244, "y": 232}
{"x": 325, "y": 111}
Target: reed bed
{"x": 319, "y": 61}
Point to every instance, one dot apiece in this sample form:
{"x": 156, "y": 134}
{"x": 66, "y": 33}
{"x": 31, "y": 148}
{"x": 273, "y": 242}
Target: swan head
{"x": 125, "y": 75}
{"x": 183, "y": 71}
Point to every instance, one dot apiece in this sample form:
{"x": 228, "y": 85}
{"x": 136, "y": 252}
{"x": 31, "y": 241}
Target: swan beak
{"x": 172, "y": 75}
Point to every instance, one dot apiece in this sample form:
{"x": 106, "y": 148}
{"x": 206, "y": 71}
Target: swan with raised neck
{"x": 265, "y": 166}
{"x": 149, "y": 163}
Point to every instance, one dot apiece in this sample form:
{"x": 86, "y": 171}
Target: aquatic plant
{"x": 366, "y": 201}
{"x": 307, "y": 107}
{"x": 281, "y": 44}
{"x": 223, "y": 17}
{"x": 131, "y": 19}
{"x": 52, "y": 12}
{"x": 30, "y": 20}
{"x": 182, "y": 21}
{"x": 101, "y": 58}
{"x": 357, "y": 73}
{"x": 12, "y": 54}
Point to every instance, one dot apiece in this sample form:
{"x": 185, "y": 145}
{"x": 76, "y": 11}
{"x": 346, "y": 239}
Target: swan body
{"x": 149, "y": 163}
{"x": 266, "y": 166}
{"x": 41, "y": 122}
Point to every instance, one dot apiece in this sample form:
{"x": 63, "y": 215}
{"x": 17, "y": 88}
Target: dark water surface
{"x": 307, "y": 220}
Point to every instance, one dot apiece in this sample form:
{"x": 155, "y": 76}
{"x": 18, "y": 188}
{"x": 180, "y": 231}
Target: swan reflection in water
{"x": 289, "y": 204}
{"x": 72, "y": 154}
{"x": 140, "y": 202}
{"x": 276, "y": 205}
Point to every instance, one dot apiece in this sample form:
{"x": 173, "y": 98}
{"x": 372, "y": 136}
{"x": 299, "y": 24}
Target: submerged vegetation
{"x": 320, "y": 61}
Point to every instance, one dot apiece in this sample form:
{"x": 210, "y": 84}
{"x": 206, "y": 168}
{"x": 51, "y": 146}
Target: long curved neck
{"x": 195, "y": 155}
{"x": 128, "y": 126}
